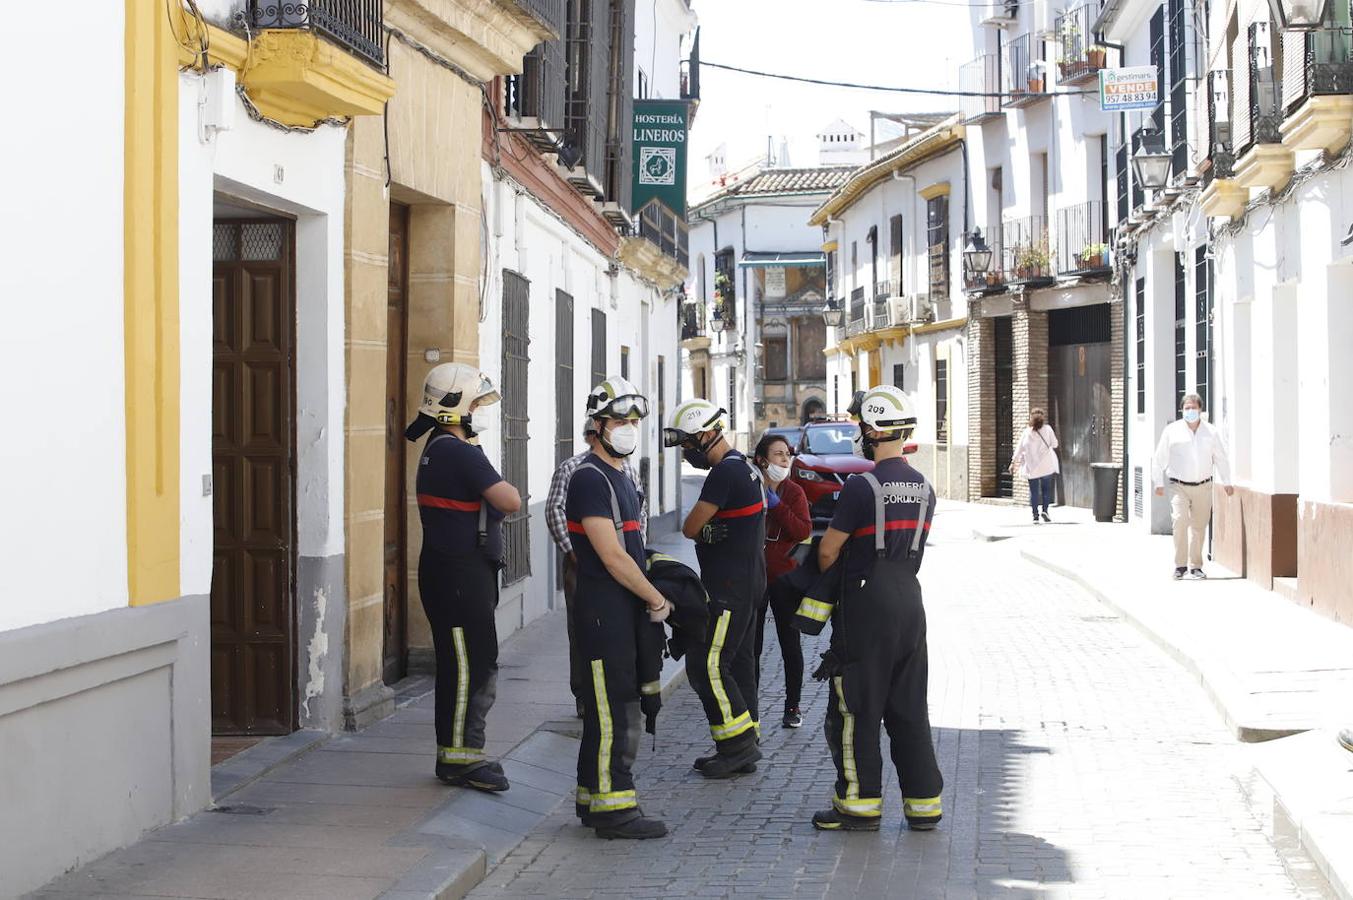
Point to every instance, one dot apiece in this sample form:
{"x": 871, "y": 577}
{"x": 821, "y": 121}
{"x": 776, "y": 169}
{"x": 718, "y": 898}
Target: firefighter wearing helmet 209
{"x": 462, "y": 501}
{"x": 615, "y": 611}
{"x": 877, "y": 662}
{"x": 728, "y": 524}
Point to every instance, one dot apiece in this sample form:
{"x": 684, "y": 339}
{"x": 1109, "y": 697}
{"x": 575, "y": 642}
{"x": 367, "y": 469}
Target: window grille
{"x": 941, "y": 402}
{"x": 1141, "y": 346}
{"x": 516, "y": 362}
{"x": 563, "y": 376}
{"x": 1180, "y": 313}
{"x": 598, "y": 347}
{"x": 1202, "y": 287}
{"x": 1137, "y": 491}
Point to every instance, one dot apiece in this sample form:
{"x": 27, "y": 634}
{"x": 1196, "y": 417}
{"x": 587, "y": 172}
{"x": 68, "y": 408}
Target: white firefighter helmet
{"x": 690, "y": 419}
{"x": 887, "y": 410}
{"x": 451, "y": 389}
{"x": 616, "y": 398}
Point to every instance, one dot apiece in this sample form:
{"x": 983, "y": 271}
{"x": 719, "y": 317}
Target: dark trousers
{"x": 579, "y": 676}
{"x": 460, "y": 594}
{"x": 783, "y": 607}
{"x": 722, "y": 671}
{"x": 605, "y": 624}
{"x": 1045, "y": 487}
{"x": 879, "y": 633}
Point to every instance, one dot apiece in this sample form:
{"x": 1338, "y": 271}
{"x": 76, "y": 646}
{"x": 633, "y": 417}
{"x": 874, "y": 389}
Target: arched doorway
{"x": 813, "y": 407}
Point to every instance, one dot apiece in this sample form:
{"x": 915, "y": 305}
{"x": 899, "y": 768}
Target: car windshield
{"x": 825, "y": 439}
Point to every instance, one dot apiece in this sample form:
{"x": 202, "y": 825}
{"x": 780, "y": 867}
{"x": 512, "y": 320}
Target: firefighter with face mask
{"x": 613, "y": 605}
{"x": 728, "y": 524}
{"x": 877, "y": 663}
{"x": 461, "y": 500}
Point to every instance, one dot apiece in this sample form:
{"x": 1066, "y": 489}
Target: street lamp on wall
{"x": 1151, "y": 162}
{"x": 717, "y": 324}
{"x": 1299, "y": 15}
{"x": 977, "y": 255}
{"x": 833, "y": 314}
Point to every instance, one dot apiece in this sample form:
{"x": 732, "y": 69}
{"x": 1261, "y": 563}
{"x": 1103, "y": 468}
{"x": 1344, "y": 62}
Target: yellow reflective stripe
{"x": 857, "y": 807}
{"x": 712, "y": 666}
{"x": 924, "y": 806}
{"x": 815, "y": 609}
{"x": 757, "y": 727}
{"x": 649, "y": 688}
{"x": 459, "y": 754}
{"x": 462, "y": 685}
{"x": 582, "y": 795}
{"x": 847, "y": 743}
{"x": 655, "y": 557}
{"x": 614, "y": 800}
{"x": 607, "y": 733}
{"x": 731, "y": 729}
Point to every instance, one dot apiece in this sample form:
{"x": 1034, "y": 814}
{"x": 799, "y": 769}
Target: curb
{"x": 1220, "y": 686}
{"x": 248, "y": 766}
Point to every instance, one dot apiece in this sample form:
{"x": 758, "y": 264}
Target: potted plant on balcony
{"x": 1035, "y": 77}
{"x": 1031, "y": 260}
{"x": 1093, "y": 256}
{"x": 1096, "y": 56}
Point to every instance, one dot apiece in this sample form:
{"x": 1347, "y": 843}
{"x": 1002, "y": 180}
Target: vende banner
{"x": 1134, "y": 87}
{"x": 659, "y": 161}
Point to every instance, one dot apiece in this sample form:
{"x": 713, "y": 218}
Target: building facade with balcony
{"x": 1281, "y": 275}
{"x": 753, "y": 334}
{"x": 893, "y": 235}
{"x": 1043, "y": 329}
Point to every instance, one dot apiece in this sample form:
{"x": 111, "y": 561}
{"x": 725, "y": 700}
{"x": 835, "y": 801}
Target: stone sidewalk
{"x": 360, "y": 815}
{"x": 1278, "y": 673}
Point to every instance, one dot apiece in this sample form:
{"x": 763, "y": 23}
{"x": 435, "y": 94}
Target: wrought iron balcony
{"x": 1023, "y": 71}
{"x": 981, "y": 76}
{"x": 692, "y": 319}
{"x": 1024, "y": 251}
{"x": 856, "y": 323}
{"x": 880, "y": 312}
{"x": 535, "y": 97}
{"x": 1080, "y": 55}
{"x": 355, "y": 25}
{"x": 665, "y": 230}
{"x": 1316, "y": 63}
{"x": 690, "y": 71}
{"x": 1220, "y": 156}
{"x": 1082, "y": 240}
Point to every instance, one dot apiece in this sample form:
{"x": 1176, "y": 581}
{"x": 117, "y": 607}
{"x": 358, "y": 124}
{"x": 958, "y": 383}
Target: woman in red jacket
{"x": 787, "y": 525}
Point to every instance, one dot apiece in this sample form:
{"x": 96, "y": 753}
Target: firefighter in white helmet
{"x": 728, "y": 524}
{"x": 877, "y": 662}
{"x": 462, "y": 501}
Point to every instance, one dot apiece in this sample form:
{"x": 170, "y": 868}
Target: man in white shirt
{"x": 1189, "y": 452}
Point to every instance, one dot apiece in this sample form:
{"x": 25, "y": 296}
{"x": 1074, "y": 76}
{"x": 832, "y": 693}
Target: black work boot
{"x": 488, "y": 777}
{"x": 832, "y": 820}
{"x": 637, "y": 828}
{"x": 730, "y": 765}
{"x": 701, "y": 761}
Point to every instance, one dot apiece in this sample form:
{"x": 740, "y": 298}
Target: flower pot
{"x": 1095, "y": 56}
{"x": 1035, "y": 85}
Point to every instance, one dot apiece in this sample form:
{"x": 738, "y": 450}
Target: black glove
{"x": 650, "y": 704}
{"x": 830, "y": 667}
{"x": 712, "y": 533}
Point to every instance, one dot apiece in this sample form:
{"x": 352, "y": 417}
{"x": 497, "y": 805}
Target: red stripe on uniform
{"x": 577, "y": 527}
{"x": 448, "y": 503}
{"x": 897, "y": 525}
{"x": 743, "y": 512}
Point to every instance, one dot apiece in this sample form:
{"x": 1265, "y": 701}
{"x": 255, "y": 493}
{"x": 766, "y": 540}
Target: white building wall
{"x": 63, "y": 532}
{"x": 659, "y": 30}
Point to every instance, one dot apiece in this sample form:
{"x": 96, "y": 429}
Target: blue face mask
{"x": 1191, "y": 415}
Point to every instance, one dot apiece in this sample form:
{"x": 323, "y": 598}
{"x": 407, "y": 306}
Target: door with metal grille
{"x": 253, "y": 472}
{"x": 516, "y": 361}
{"x": 1080, "y": 403}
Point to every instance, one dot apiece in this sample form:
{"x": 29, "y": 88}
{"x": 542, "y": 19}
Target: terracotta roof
{"x": 817, "y": 180}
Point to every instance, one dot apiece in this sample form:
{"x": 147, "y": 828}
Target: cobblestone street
{"x": 1079, "y": 761}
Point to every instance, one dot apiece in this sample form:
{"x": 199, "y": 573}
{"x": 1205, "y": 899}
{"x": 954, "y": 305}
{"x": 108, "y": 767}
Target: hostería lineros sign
{"x": 659, "y": 159}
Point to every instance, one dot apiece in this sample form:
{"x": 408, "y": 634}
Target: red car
{"x": 824, "y": 459}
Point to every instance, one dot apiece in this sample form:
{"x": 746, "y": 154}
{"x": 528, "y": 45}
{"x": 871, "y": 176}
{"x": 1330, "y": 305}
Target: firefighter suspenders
{"x": 880, "y": 517}
{"x": 482, "y": 528}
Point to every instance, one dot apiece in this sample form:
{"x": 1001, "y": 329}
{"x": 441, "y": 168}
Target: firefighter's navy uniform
{"x": 722, "y": 669}
{"x": 879, "y": 643}
{"x": 620, "y": 647}
{"x": 458, "y": 580}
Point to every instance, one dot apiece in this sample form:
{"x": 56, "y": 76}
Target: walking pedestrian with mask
{"x": 1036, "y": 459}
{"x": 1188, "y": 456}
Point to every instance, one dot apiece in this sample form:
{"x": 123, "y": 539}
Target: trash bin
{"x": 1106, "y": 490}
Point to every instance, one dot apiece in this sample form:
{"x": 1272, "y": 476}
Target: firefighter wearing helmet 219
{"x": 877, "y": 661}
{"x": 461, "y": 500}
{"x": 728, "y": 524}
{"x": 615, "y": 614}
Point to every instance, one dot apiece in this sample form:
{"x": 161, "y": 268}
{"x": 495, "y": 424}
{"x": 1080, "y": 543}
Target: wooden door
{"x": 396, "y": 544}
{"x": 253, "y": 465}
{"x": 1080, "y": 412}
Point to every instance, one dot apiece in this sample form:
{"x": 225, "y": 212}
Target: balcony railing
{"x": 880, "y": 312}
{"x": 692, "y": 320}
{"x": 1316, "y": 63}
{"x": 355, "y": 25}
{"x": 856, "y": 322}
{"x": 981, "y": 76}
{"x": 665, "y": 230}
{"x": 1082, "y": 240}
{"x": 994, "y": 278}
{"x": 1221, "y": 159}
{"x": 1023, "y": 71}
{"x": 1024, "y": 250}
{"x": 537, "y": 94}
{"x": 1080, "y": 56}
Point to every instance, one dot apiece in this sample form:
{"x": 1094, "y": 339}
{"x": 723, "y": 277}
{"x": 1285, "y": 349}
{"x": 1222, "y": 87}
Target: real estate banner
{"x": 1134, "y": 87}
{"x": 659, "y": 161}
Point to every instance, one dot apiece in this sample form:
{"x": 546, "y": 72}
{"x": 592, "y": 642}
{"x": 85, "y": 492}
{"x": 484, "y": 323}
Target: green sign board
{"x": 659, "y": 161}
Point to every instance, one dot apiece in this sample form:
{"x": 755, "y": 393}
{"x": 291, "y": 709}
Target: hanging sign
{"x": 659, "y": 158}
{"x": 1134, "y": 87}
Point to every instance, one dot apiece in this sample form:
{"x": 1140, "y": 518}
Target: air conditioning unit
{"x": 899, "y": 309}
{"x": 921, "y": 309}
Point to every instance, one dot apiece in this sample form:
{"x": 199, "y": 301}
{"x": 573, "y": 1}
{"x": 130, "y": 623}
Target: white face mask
{"x": 481, "y": 421}
{"x": 623, "y": 439}
{"x": 776, "y": 473}
{"x": 1191, "y": 415}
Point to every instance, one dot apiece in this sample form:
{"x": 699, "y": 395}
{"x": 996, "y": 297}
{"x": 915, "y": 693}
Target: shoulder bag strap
{"x": 616, "y": 516}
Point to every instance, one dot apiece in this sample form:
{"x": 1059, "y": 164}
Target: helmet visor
{"x": 630, "y": 406}
{"x": 674, "y": 437}
{"x": 487, "y": 394}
